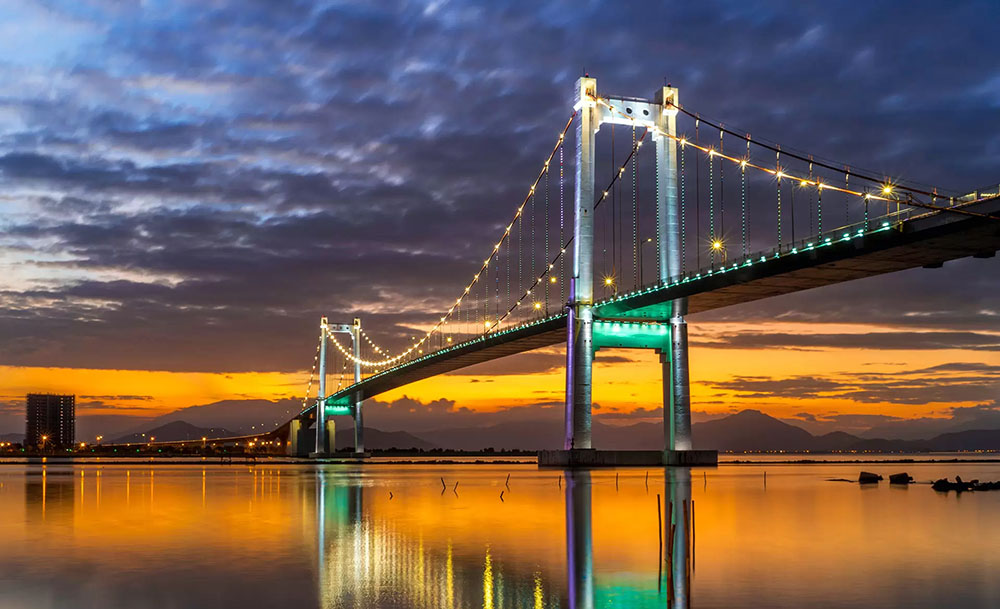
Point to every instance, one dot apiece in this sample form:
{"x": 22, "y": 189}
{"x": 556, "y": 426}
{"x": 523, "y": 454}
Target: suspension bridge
{"x": 614, "y": 247}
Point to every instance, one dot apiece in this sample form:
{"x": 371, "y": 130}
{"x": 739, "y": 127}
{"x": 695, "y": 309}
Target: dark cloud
{"x": 414, "y": 415}
{"x": 192, "y": 192}
{"x": 946, "y": 383}
{"x": 976, "y": 341}
{"x": 122, "y": 398}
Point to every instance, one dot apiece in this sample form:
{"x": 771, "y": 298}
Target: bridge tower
{"x": 659, "y": 116}
{"x": 325, "y": 427}
{"x": 359, "y": 429}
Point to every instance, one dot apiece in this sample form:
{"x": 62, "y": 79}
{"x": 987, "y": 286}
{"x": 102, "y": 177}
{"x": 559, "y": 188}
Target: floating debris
{"x": 959, "y": 486}
{"x": 869, "y": 478}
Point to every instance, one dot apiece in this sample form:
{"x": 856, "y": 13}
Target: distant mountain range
{"x": 13, "y": 438}
{"x": 174, "y": 432}
{"x": 382, "y": 440}
{"x": 748, "y": 430}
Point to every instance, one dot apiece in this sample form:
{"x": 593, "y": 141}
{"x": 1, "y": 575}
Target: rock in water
{"x": 960, "y": 485}
{"x": 941, "y": 485}
{"x": 868, "y": 478}
{"x": 903, "y": 478}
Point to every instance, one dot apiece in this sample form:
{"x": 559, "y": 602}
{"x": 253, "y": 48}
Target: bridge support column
{"x": 321, "y": 444}
{"x": 676, "y": 389}
{"x": 299, "y": 441}
{"x": 359, "y": 426}
{"x": 579, "y": 343}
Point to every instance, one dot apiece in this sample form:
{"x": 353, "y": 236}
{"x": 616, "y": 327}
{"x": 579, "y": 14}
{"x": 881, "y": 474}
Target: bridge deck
{"x": 927, "y": 240}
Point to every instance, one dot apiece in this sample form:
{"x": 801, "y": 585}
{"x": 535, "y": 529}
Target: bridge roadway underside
{"x": 925, "y": 241}
{"x": 549, "y": 332}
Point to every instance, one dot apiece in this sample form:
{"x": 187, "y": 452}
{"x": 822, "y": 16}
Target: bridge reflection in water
{"x": 367, "y": 560}
{"x": 279, "y": 535}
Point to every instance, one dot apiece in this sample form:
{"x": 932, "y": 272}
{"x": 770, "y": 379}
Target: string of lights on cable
{"x": 415, "y": 347}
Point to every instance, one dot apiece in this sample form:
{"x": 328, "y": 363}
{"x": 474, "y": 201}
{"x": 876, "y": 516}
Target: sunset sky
{"x": 189, "y": 186}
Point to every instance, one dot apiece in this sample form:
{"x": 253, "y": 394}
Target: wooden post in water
{"x": 670, "y": 565}
{"x": 693, "y": 529}
{"x": 687, "y": 536}
{"x": 659, "y": 538}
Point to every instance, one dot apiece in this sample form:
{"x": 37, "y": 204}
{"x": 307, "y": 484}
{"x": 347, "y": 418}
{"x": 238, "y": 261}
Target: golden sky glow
{"x": 618, "y": 386}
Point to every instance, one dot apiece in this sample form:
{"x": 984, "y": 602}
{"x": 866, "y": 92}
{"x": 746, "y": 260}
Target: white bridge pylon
{"x": 660, "y": 117}
{"x": 324, "y": 436}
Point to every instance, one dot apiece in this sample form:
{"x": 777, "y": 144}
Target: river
{"x": 117, "y": 535}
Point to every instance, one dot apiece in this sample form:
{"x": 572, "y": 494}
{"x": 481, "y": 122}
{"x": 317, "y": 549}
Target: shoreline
{"x": 469, "y": 460}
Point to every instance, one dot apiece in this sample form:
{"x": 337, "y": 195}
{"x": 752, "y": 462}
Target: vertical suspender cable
{"x": 614, "y": 211}
{"x": 743, "y": 198}
{"x": 635, "y": 212}
{"x": 546, "y": 259}
{"x": 847, "y": 197}
{"x": 683, "y": 207}
{"x": 819, "y": 211}
{"x": 777, "y": 165}
{"x": 711, "y": 207}
{"x": 697, "y": 197}
{"x": 605, "y": 227}
{"x": 657, "y": 216}
{"x": 810, "y": 199}
{"x": 620, "y": 264}
{"x": 791, "y": 207}
{"x": 507, "y": 260}
{"x": 562, "y": 238}
{"x": 722, "y": 193}
{"x": 520, "y": 249}
{"x": 497, "y": 283}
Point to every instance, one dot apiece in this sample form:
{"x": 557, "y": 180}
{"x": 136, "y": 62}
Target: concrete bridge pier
{"x": 322, "y": 437}
{"x": 359, "y": 426}
{"x": 677, "y": 443}
{"x": 580, "y": 323}
{"x": 299, "y": 442}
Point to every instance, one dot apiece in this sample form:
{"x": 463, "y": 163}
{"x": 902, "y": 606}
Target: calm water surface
{"x": 140, "y": 535}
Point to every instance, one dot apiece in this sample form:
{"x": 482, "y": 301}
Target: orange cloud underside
{"x": 618, "y": 386}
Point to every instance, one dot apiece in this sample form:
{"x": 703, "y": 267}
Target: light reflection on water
{"x": 287, "y": 535}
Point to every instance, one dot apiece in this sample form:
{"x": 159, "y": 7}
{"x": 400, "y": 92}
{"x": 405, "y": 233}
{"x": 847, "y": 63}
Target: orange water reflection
{"x": 394, "y": 536}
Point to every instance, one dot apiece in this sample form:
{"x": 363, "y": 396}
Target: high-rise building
{"x": 52, "y": 416}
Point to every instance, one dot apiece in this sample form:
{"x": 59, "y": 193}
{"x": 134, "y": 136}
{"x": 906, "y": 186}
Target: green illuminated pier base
{"x": 658, "y": 336}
